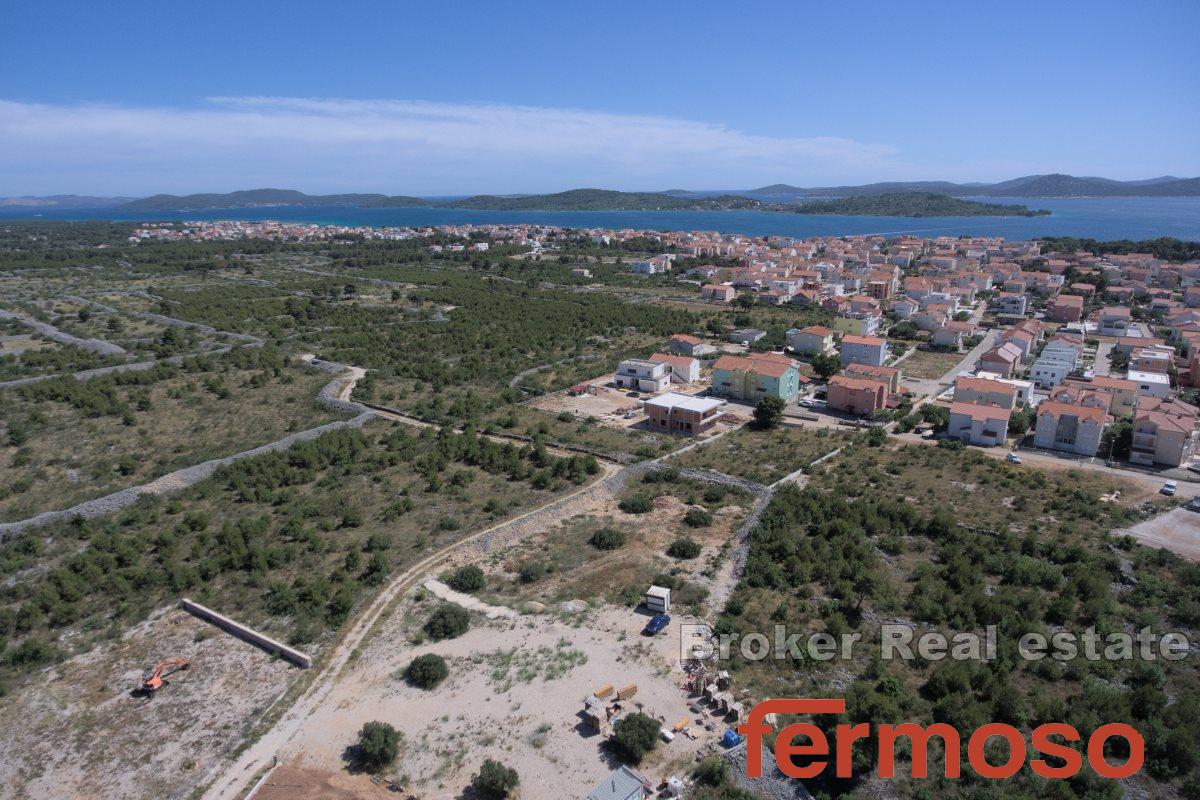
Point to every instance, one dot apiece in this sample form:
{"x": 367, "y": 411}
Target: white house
{"x": 863, "y": 350}
{"x": 683, "y": 369}
{"x": 1114, "y": 321}
{"x": 1150, "y": 384}
{"x": 1050, "y": 370}
{"x": 643, "y": 374}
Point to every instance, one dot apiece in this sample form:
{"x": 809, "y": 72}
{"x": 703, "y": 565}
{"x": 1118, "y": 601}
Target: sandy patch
{"x": 514, "y": 694}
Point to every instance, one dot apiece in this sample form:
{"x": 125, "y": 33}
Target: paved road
{"x": 932, "y": 388}
{"x": 1177, "y": 531}
{"x": 1102, "y": 352}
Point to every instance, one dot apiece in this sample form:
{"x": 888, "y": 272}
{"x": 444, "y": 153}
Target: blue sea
{"x": 1096, "y": 218}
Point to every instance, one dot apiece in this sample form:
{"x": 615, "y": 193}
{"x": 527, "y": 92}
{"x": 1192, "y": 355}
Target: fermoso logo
{"x": 816, "y": 749}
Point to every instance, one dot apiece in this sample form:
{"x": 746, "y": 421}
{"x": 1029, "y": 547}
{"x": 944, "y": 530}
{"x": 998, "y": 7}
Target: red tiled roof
{"x": 984, "y": 385}
{"x": 979, "y": 412}
{"x": 1096, "y": 415}
{"x": 870, "y": 341}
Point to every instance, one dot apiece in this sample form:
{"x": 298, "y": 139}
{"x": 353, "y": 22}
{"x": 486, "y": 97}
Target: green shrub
{"x": 468, "y": 578}
{"x": 635, "y": 735}
{"x": 447, "y": 621}
{"x": 495, "y": 780}
{"x": 607, "y": 539}
{"x": 378, "y": 746}
{"x": 683, "y": 547}
{"x": 697, "y": 518}
{"x": 768, "y": 413}
{"x": 638, "y": 504}
{"x": 427, "y": 671}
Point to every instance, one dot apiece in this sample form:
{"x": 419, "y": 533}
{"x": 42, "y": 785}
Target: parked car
{"x": 807, "y": 403}
{"x": 1013, "y": 458}
{"x": 1169, "y": 488}
{"x": 656, "y": 624}
{"x": 1194, "y": 504}
{"x": 633, "y": 394}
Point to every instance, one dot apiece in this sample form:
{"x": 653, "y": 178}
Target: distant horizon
{"x": 692, "y": 189}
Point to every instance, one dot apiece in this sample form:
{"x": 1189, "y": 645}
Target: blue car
{"x": 656, "y": 624}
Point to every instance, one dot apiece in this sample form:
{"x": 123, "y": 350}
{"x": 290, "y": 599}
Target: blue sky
{"x": 463, "y": 97}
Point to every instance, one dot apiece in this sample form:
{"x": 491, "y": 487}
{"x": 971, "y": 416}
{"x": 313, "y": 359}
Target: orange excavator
{"x": 155, "y": 679}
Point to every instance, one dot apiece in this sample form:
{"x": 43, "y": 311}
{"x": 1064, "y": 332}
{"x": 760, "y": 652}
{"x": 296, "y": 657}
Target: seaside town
{"x": 1093, "y": 356}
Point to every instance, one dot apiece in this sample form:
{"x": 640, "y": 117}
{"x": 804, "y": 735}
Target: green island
{"x": 913, "y": 204}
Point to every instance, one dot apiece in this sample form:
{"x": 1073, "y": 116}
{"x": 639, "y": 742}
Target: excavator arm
{"x": 153, "y": 680}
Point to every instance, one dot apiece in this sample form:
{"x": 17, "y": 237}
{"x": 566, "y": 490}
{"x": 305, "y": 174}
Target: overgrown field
{"x": 765, "y": 456}
{"x": 63, "y": 441}
{"x": 956, "y": 541}
{"x": 289, "y": 541}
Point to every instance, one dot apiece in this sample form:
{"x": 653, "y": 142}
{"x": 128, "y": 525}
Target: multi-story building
{"x": 985, "y": 392}
{"x": 982, "y": 425}
{"x": 1067, "y": 308}
{"x": 643, "y": 374}
{"x": 863, "y": 350}
{"x": 682, "y": 413}
{"x": 811, "y": 341}
{"x": 755, "y": 376}
{"x": 683, "y": 369}
{"x": 1070, "y": 428}
{"x": 1114, "y": 321}
{"x": 1164, "y": 432}
{"x": 861, "y": 396}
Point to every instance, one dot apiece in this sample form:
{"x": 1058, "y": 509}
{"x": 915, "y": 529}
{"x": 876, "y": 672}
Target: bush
{"x": 378, "y": 746}
{"x": 684, "y": 547}
{"x": 427, "y": 671}
{"x": 607, "y": 539}
{"x": 447, "y": 621}
{"x": 466, "y": 579}
{"x": 494, "y": 779}
{"x": 697, "y": 518}
{"x": 532, "y": 571}
{"x": 712, "y": 771}
{"x": 877, "y": 436}
{"x": 638, "y": 504}
{"x": 635, "y": 735}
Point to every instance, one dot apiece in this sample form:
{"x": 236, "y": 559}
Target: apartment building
{"x": 1069, "y": 428}
{"x": 863, "y": 350}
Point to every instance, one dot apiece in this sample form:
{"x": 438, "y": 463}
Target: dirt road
{"x": 261, "y": 755}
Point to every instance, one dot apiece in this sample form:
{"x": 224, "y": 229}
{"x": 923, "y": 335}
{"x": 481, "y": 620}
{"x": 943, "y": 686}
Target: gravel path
{"x": 441, "y": 590}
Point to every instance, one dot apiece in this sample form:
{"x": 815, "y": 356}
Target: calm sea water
{"x": 1116, "y": 218}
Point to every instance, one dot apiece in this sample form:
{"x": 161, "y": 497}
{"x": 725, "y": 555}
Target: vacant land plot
{"x": 929, "y": 364}
{"x": 569, "y": 562}
{"x": 953, "y": 541}
{"x": 606, "y": 439}
{"x": 514, "y": 695}
{"x": 54, "y": 455}
{"x": 765, "y": 456}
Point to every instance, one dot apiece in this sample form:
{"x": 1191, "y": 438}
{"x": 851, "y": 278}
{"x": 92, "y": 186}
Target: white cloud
{"x": 396, "y": 146}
